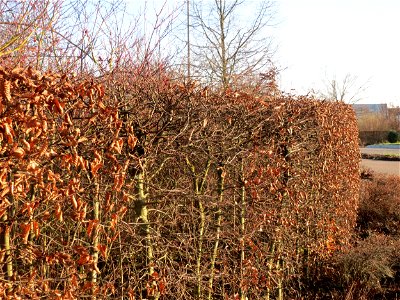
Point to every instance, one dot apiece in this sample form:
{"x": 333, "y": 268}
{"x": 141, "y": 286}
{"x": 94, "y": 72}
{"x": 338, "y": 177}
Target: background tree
{"x": 19, "y": 23}
{"x": 394, "y": 116}
{"x": 81, "y": 36}
{"x": 228, "y": 46}
{"x": 348, "y": 90}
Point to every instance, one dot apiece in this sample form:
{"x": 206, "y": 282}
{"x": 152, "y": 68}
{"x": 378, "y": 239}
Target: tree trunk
{"x": 6, "y": 247}
{"x": 242, "y": 231}
{"x": 146, "y": 228}
{"x": 220, "y": 191}
{"x": 95, "y": 241}
{"x": 5, "y": 239}
{"x": 198, "y": 187}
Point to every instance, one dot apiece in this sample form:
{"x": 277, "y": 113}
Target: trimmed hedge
{"x": 143, "y": 187}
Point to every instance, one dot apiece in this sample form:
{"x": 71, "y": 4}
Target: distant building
{"x": 363, "y": 109}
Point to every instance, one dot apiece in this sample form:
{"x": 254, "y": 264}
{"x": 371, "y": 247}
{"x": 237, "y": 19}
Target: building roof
{"x": 370, "y": 108}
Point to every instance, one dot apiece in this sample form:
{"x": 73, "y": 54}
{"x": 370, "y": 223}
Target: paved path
{"x": 384, "y": 146}
{"x": 382, "y": 166}
{"x": 380, "y": 151}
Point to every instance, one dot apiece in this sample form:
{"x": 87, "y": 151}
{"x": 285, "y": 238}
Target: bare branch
{"x": 225, "y": 47}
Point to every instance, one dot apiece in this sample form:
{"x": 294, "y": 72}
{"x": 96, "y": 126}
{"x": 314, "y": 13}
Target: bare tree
{"x": 20, "y": 21}
{"x": 83, "y": 36}
{"x": 347, "y": 90}
{"x": 225, "y": 45}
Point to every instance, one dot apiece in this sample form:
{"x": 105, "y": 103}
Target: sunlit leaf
{"x": 58, "y": 106}
{"x": 58, "y": 212}
{"x": 91, "y": 226}
{"x": 103, "y": 250}
{"x": 18, "y": 152}
{"x": 36, "y": 228}
{"x": 132, "y": 141}
{"x": 25, "y": 230}
{"x": 116, "y": 145}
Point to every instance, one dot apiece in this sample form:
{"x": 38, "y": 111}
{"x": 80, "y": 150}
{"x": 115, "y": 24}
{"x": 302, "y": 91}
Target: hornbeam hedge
{"x": 139, "y": 187}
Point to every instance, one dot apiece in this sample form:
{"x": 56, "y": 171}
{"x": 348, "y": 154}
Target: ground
{"x": 381, "y": 166}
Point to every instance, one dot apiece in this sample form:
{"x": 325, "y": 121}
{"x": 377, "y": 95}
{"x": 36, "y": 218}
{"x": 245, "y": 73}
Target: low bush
{"x": 369, "y": 269}
{"x": 379, "y": 208}
{"x": 372, "y": 137}
{"x": 393, "y": 136}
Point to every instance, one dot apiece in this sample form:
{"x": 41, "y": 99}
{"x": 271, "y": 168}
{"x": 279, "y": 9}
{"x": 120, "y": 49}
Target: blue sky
{"x": 319, "y": 40}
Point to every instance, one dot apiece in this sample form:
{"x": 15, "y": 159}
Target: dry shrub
{"x": 370, "y": 268}
{"x": 366, "y": 270}
{"x": 379, "y": 208}
{"x": 372, "y": 137}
